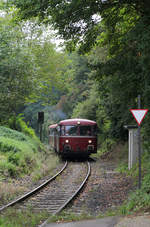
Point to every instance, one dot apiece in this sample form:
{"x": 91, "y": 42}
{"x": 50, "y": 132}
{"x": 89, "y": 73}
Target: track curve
{"x": 27, "y": 195}
{"x": 54, "y": 196}
{"x": 73, "y": 195}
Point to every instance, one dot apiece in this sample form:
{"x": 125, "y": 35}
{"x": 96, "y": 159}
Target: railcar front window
{"x": 85, "y": 130}
{"x": 71, "y": 130}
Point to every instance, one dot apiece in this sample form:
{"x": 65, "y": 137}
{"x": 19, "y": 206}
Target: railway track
{"x": 32, "y": 192}
{"x": 54, "y": 195}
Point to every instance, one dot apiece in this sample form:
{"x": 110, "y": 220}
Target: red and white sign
{"x": 139, "y": 114}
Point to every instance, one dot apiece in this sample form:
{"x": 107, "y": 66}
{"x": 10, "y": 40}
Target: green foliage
{"x": 74, "y": 19}
{"x": 16, "y": 68}
{"x": 19, "y": 153}
{"x": 139, "y": 200}
{"x": 119, "y": 61}
{"x": 17, "y": 218}
{"x": 87, "y": 109}
{"x": 123, "y": 73}
{"x": 22, "y": 126}
{"x": 77, "y": 82}
{"x": 31, "y": 70}
{"x": 12, "y": 134}
{"x": 19, "y": 124}
{"x": 107, "y": 146}
{"x": 50, "y": 84}
{"x": 65, "y": 216}
{"x": 8, "y": 169}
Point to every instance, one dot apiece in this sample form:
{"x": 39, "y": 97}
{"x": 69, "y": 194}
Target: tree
{"x": 16, "y": 68}
{"x": 31, "y": 70}
{"x": 75, "y": 20}
{"x": 77, "y": 83}
{"x": 122, "y": 31}
{"x": 123, "y": 74}
{"x": 87, "y": 108}
{"x": 50, "y": 84}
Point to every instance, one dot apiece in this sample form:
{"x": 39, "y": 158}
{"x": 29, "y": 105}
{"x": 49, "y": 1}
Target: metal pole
{"x": 41, "y": 132}
{"x": 139, "y": 143}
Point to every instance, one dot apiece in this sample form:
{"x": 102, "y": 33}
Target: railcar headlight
{"x": 90, "y": 141}
{"x": 67, "y": 141}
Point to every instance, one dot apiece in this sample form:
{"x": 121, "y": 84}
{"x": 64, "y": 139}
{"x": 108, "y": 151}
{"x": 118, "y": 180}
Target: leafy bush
{"x": 139, "y": 199}
{"x": 107, "y": 146}
{"x": 19, "y": 124}
{"x": 87, "y": 108}
{"x": 22, "y": 127}
{"x": 7, "y": 168}
{"x": 19, "y": 153}
{"x": 13, "y": 134}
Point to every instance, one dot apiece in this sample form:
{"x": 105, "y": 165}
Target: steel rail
{"x": 27, "y": 195}
{"x": 71, "y": 197}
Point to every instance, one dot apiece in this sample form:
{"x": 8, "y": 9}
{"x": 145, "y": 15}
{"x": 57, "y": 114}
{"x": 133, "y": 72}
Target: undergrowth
{"x": 21, "y": 155}
{"x": 139, "y": 200}
{"x": 18, "y": 218}
{"x": 18, "y": 153}
{"x": 69, "y": 217}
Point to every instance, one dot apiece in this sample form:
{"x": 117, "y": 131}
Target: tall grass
{"x": 19, "y": 218}
{"x": 19, "y": 156}
{"x": 18, "y": 152}
{"x": 139, "y": 200}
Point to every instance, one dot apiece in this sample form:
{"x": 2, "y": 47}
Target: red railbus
{"x": 74, "y": 136}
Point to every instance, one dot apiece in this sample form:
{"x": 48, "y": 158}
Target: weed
{"x": 17, "y": 218}
{"x": 140, "y": 199}
{"x": 69, "y": 216}
{"x": 9, "y": 191}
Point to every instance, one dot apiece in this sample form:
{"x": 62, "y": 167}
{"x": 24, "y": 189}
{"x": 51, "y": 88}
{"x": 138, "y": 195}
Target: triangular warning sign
{"x": 139, "y": 114}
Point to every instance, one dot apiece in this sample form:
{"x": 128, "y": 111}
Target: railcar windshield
{"x": 69, "y": 130}
{"x": 78, "y": 130}
{"x": 85, "y": 130}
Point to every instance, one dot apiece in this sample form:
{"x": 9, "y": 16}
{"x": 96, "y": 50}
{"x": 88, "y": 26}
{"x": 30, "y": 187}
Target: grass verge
{"x": 139, "y": 200}
{"x": 23, "y": 160}
{"x": 22, "y": 218}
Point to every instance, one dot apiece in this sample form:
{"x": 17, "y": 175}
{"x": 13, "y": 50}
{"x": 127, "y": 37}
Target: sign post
{"x": 139, "y": 115}
{"x": 40, "y": 121}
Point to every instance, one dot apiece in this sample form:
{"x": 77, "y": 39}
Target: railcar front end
{"x": 77, "y": 137}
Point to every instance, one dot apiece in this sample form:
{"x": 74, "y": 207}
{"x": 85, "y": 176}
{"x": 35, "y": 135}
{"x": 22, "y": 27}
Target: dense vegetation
{"x": 100, "y": 80}
{"x": 115, "y": 69}
{"x": 16, "y": 153}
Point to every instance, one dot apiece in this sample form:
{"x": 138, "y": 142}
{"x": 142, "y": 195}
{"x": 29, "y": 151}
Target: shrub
{"x": 7, "y": 168}
{"x": 140, "y": 199}
{"x": 17, "y": 123}
{"x": 18, "y": 152}
{"x": 13, "y": 134}
{"x": 22, "y": 127}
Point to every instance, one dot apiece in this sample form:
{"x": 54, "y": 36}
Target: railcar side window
{"x": 62, "y": 130}
{"x": 85, "y": 130}
{"x": 51, "y": 130}
{"x": 57, "y": 130}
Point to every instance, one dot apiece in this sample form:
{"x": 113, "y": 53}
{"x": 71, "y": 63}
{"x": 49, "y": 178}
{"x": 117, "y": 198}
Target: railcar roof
{"x": 53, "y": 126}
{"x": 77, "y": 121}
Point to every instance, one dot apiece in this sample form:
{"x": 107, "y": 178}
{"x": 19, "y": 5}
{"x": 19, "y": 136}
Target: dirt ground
{"x": 106, "y": 189}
